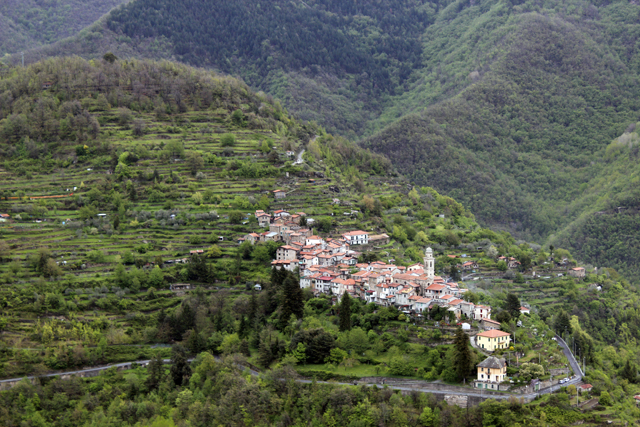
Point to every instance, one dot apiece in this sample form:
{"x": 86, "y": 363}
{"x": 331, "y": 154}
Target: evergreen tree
{"x": 253, "y": 307}
{"x": 196, "y": 342}
{"x": 277, "y": 277}
{"x": 562, "y": 324}
{"x": 629, "y": 372}
{"x": 243, "y": 328}
{"x": 513, "y": 305}
{"x": 180, "y": 369}
{"x": 155, "y": 373}
{"x": 265, "y": 354}
{"x": 345, "y": 312}
{"x": 292, "y": 300}
{"x": 463, "y": 358}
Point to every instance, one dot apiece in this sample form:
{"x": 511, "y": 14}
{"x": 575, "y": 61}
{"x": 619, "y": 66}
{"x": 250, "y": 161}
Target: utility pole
{"x": 22, "y": 59}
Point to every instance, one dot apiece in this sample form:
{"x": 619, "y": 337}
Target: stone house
{"x": 491, "y": 372}
{"x": 578, "y": 272}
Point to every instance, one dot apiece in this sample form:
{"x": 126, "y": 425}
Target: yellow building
{"x": 493, "y": 340}
{"x": 491, "y": 372}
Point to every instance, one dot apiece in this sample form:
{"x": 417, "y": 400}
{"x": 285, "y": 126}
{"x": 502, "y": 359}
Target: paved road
{"x": 420, "y": 387}
{"x": 572, "y": 360}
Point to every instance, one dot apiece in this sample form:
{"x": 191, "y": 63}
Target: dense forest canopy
{"x": 25, "y": 24}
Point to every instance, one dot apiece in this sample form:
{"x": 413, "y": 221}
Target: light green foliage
{"x": 228, "y": 140}
{"x": 532, "y": 369}
{"x": 230, "y": 344}
{"x": 605, "y": 399}
{"x": 336, "y": 356}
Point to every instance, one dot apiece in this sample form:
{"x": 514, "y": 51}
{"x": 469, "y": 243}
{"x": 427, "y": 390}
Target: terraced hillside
{"x": 127, "y": 165}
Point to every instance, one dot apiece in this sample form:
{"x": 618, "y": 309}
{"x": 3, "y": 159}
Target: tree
{"x": 230, "y": 344}
{"x": 300, "y": 353}
{"x": 253, "y": 307}
{"x": 87, "y": 212}
{"x": 156, "y": 277}
{"x": 525, "y": 261}
{"x": 533, "y": 369}
{"x": 261, "y": 254}
{"x": 491, "y": 252}
{"x": 502, "y": 265}
{"x": 629, "y": 372}
{"x": 238, "y": 118}
{"x": 214, "y": 252}
{"x": 51, "y": 269}
{"x": 513, "y": 305}
{"x": 110, "y": 57}
{"x": 235, "y": 217}
{"x": 180, "y": 369}
{"x": 228, "y": 140}
{"x": 155, "y": 373}
{"x": 562, "y": 323}
{"x": 345, "y": 312}
{"x": 292, "y": 300}
{"x": 318, "y": 344}
{"x": 605, "y": 399}
{"x": 194, "y": 162}
{"x": 325, "y": 225}
{"x": 336, "y": 356}
{"x": 462, "y": 356}
{"x": 427, "y": 417}
{"x": 454, "y": 272}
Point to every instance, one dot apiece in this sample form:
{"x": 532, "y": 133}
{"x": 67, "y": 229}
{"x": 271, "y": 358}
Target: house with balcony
{"x": 491, "y": 372}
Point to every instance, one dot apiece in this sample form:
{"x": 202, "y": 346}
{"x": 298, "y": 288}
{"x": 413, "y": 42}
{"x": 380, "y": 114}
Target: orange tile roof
{"x": 494, "y": 333}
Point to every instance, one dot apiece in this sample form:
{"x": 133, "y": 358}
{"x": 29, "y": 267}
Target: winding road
{"x": 423, "y": 387}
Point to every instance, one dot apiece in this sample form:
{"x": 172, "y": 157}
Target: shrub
{"x": 228, "y": 140}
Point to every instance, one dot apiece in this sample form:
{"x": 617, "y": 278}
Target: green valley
{"x": 132, "y": 199}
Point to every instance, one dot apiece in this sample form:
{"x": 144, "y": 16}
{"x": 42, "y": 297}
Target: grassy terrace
{"x": 83, "y": 293}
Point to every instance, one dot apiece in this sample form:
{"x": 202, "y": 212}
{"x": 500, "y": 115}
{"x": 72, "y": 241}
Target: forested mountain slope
{"x": 330, "y": 61}
{"x": 524, "y": 144}
{"x": 25, "y": 24}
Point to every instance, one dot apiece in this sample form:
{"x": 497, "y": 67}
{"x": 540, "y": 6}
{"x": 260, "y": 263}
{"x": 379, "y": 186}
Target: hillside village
{"x": 330, "y": 266}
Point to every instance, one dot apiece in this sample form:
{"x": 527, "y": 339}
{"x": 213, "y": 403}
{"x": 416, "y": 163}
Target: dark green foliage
{"x": 463, "y": 357}
{"x": 198, "y": 269}
{"x": 31, "y": 23}
{"x": 345, "y": 312}
{"x": 235, "y": 217}
{"x": 155, "y": 373}
{"x": 630, "y": 372}
{"x": 512, "y": 305}
{"x": 292, "y": 300}
{"x": 371, "y": 47}
{"x": 180, "y": 369}
{"x": 318, "y": 342}
{"x": 503, "y": 316}
{"x": 561, "y": 323}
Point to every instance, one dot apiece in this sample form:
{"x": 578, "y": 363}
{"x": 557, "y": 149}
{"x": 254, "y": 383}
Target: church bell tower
{"x": 429, "y": 264}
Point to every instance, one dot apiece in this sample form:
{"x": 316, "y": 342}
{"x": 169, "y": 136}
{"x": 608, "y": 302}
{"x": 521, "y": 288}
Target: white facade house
{"x": 357, "y": 237}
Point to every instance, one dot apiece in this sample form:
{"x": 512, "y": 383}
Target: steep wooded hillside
{"x": 26, "y": 24}
{"x": 525, "y": 143}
